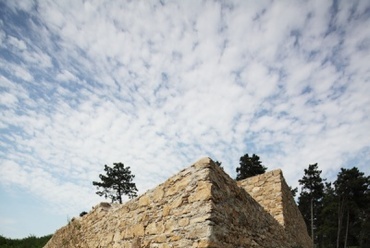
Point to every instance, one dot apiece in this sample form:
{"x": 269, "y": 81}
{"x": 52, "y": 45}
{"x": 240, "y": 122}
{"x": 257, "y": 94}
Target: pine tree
{"x": 249, "y": 167}
{"x": 116, "y": 182}
{"x": 328, "y": 228}
{"x": 310, "y": 199}
{"x": 365, "y": 227}
{"x": 352, "y": 189}
{"x": 293, "y": 191}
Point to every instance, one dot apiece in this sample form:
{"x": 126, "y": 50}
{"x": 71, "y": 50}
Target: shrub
{"x": 83, "y": 213}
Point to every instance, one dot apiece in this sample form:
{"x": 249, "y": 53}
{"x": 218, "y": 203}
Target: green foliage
{"x": 304, "y": 205}
{"x": 249, "y": 167}
{"x": 218, "y": 163}
{"x": 341, "y": 211}
{"x": 28, "y": 242}
{"x": 293, "y": 191}
{"x": 352, "y": 190}
{"x": 118, "y": 181}
{"x": 351, "y": 185}
{"x": 310, "y": 199}
{"x": 83, "y": 213}
{"x": 312, "y": 183}
{"x": 327, "y": 229}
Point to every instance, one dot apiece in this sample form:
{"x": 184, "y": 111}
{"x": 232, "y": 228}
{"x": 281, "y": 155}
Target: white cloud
{"x": 19, "y": 44}
{"x": 66, "y": 75}
{"x": 156, "y": 87}
{"x": 7, "y": 99}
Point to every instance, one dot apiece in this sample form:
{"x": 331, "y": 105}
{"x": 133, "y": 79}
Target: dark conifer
{"x": 352, "y": 189}
{"x": 116, "y": 182}
{"x": 249, "y": 167}
{"x": 310, "y": 199}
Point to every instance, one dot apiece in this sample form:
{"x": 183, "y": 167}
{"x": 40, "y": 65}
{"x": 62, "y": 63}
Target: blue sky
{"x": 159, "y": 84}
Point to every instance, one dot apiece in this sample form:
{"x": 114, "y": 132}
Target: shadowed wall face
{"x": 272, "y": 192}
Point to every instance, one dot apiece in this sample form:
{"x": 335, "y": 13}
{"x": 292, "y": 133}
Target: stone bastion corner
{"x": 201, "y": 206}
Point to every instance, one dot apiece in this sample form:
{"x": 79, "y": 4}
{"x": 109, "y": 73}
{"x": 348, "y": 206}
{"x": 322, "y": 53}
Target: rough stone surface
{"x": 201, "y": 206}
{"x": 272, "y": 192}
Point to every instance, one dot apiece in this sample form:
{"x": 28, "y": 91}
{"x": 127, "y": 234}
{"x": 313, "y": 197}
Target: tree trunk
{"x": 313, "y": 238}
{"x": 119, "y": 195}
{"x": 345, "y": 240}
{"x": 340, "y": 210}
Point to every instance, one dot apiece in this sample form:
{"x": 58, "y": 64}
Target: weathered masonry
{"x": 201, "y": 206}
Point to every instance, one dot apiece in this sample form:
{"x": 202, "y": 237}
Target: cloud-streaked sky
{"x": 159, "y": 84}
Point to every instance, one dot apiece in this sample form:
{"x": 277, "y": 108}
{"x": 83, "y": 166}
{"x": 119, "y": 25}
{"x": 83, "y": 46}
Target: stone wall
{"x": 266, "y": 190}
{"x": 174, "y": 214}
{"x": 272, "y": 192}
{"x": 199, "y": 207}
{"x": 294, "y": 223}
{"x": 242, "y": 221}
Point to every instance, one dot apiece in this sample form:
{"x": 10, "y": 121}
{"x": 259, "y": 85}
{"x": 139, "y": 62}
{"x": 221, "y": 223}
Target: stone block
{"x": 154, "y": 228}
{"x": 144, "y": 200}
{"x": 175, "y": 238}
{"x": 160, "y": 238}
{"x": 158, "y": 194}
{"x": 200, "y": 219}
{"x": 138, "y": 230}
{"x": 202, "y": 192}
{"x": 203, "y": 163}
{"x": 176, "y": 202}
{"x": 183, "y": 222}
{"x": 183, "y": 183}
{"x": 166, "y": 210}
{"x": 170, "y": 225}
